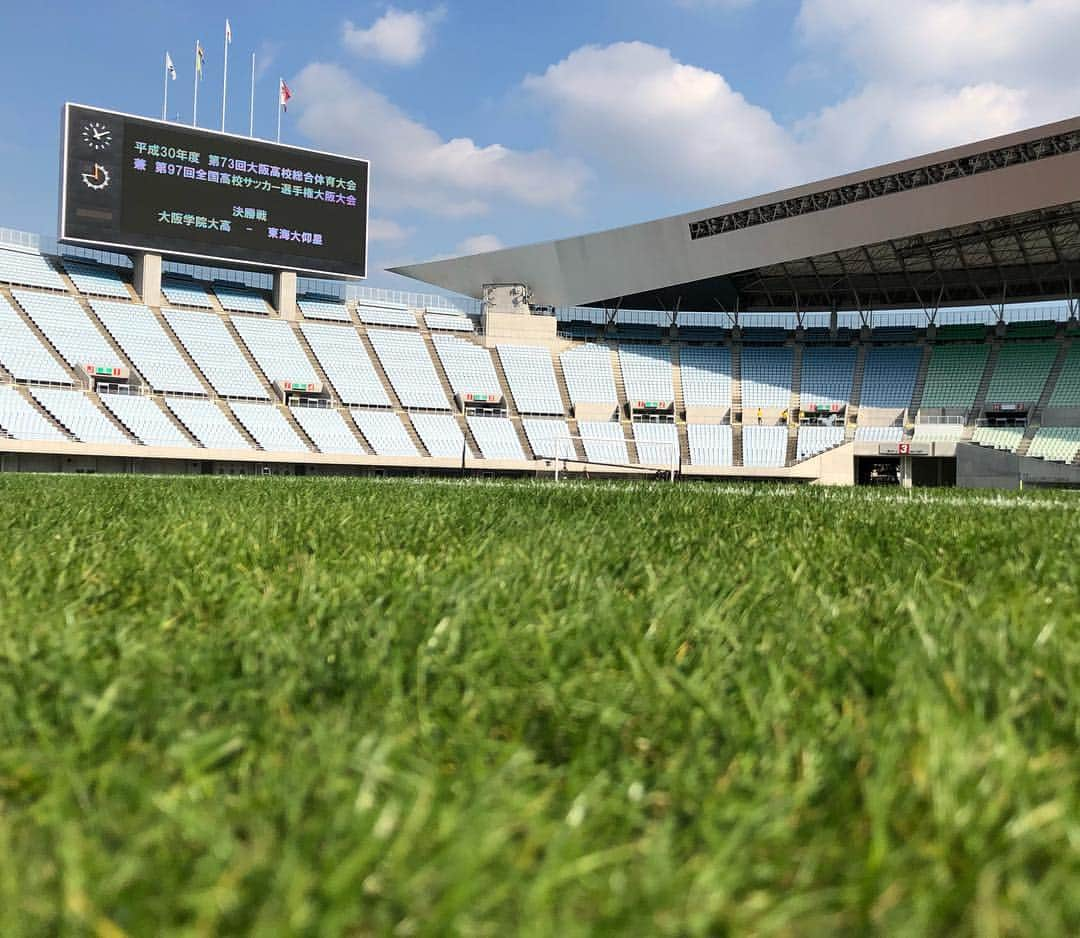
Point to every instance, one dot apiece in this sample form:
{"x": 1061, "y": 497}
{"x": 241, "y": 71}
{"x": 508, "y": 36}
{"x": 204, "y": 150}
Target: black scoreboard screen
{"x": 130, "y": 183}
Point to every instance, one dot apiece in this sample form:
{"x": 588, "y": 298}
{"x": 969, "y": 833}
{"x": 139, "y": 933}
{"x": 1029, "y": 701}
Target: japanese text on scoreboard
{"x": 142, "y": 184}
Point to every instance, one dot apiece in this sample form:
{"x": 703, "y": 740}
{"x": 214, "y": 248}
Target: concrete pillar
{"x": 148, "y": 278}
{"x": 285, "y": 295}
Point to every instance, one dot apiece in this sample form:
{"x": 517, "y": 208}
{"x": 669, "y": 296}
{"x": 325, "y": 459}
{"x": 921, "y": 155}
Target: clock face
{"x": 96, "y": 135}
{"x": 98, "y": 179}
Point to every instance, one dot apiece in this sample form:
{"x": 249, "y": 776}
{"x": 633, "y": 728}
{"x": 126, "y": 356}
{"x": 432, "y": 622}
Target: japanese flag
{"x": 228, "y": 32}
{"x": 286, "y": 95}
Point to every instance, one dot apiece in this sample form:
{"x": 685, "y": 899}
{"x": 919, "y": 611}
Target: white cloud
{"x": 398, "y": 37}
{"x": 955, "y": 41}
{"x": 940, "y": 73}
{"x": 681, "y": 126}
{"x": 479, "y": 244}
{"x": 386, "y": 230}
{"x": 413, "y": 166}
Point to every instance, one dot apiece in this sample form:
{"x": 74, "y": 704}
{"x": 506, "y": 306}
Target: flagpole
{"x": 279, "y": 109}
{"x": 195, "y": 106}
{"x": 251, "y": 111}
{"x": 165, "y": 103}
{"x": 225, "y": 80}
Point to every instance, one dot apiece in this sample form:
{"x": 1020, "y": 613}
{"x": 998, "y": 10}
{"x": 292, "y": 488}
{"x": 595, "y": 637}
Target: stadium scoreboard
{"x": 132, "y": 183}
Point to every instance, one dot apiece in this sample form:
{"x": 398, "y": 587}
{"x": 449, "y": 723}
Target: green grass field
{"x": 350, "y": 707}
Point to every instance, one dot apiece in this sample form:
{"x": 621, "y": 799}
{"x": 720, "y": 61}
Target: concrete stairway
{"x": 112, "y": 418}
{"x": 331, "y": 393}
{"x": 984, "y": 387}
{"x": 560, "y": 381}
{"x": 676, "y": 382}
{"x": 437, "y": 362}
{"x": 413, "y": 435}
{"x": 240, "y": 428}
{"x": 136, "y": 379}
{"x": 248, "y": 357}
{"x": 180, "y": 347}
{"x": 287, "y": 413}
{"x": 24, "y": 392}
{"x": 620, "y": 385}
{"x": 920, "y": 381}
{"x": 383, "y": 377}
{"x": 796, "y": 379}
{"x": 856, "y": 391}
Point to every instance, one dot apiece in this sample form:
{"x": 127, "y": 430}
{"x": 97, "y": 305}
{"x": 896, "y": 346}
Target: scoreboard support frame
{"x": 147, "y": 277}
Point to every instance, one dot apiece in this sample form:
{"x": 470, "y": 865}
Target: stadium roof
{"x": 990, "y": 222}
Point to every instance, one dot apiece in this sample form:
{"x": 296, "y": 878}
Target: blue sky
{"x": 493, "y": 123}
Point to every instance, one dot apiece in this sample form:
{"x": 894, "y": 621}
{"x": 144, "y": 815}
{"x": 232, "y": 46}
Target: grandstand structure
{"x": 642, "y": 368}
{"x": 214, "y": 380}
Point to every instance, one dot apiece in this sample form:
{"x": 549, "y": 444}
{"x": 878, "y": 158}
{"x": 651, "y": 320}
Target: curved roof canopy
{"x": 990, "y": 222}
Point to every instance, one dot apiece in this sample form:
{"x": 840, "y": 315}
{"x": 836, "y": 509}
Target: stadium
{"x": 600, "y": 589}
{"x": 737, "y": 342}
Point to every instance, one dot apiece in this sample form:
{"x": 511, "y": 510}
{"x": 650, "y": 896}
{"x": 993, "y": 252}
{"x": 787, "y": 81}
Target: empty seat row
{"x": 589, "y": 376}
{"x": 22, "y": 354}
{"x": 531, "y": 377}
{"x": 468, "y": 366}
{"x": 316, "y": 307}
{"x": 145, "y": 420}
{"x": 384, "y": 432}
{"x": 764, "y": 447}
{"x": 604, "y": 442}
{"x": 549, "y": 439}
{"x": 879, "y": 434}
{"x": 889, "y": 376}
{"x": 1059, "y": 444}
{"x": 1021, "y": 371}
{"x": 1004, "y": 438}
{"x": 144, "y": 341}
{"x": 346, "y": 362}
{"x": 706, "y": 377}
{"x": 816, "y": 440}
{"x": 1067, "y": 390}
{"x": 405, "y": 359}
{"x": 327, "y": 429}
{"x": 954, "y": 374}
{"x": 21, "y": 421}
{"x": 206, "y": 421}
{"x": 28, "y": 269}
{"x": 79, "y": 415}
{"x": 448, "y": 322}
{"x": 657, "y": 444}
{"x": 440, "y": 434}
{"x": 827, "y": 376}
{"x": 268, "y": 427}
{"x": 766, "y": 377}
{"x": 710, "y": 444}
{"x": 69, "y": 328}
{"x": 646, "y": 371}
{"x": 496, "y": 438}
{"x": 386, "y": 316}
{"x": 237, "y": 299}
{"x": 96, "y": 279}
{"x": 274, "y": 345}
{"x": 212, "y": 348}
{"x": 938, "y": 432}
{"x": 185, "y": 293}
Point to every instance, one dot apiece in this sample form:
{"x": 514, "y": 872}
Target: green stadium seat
{"x": 1021, "y": 372}
{"x": 954, "y": 374}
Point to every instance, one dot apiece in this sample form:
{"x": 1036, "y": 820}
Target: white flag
{"x": 169, "y": 67}
{"x": 228, "y": 32}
